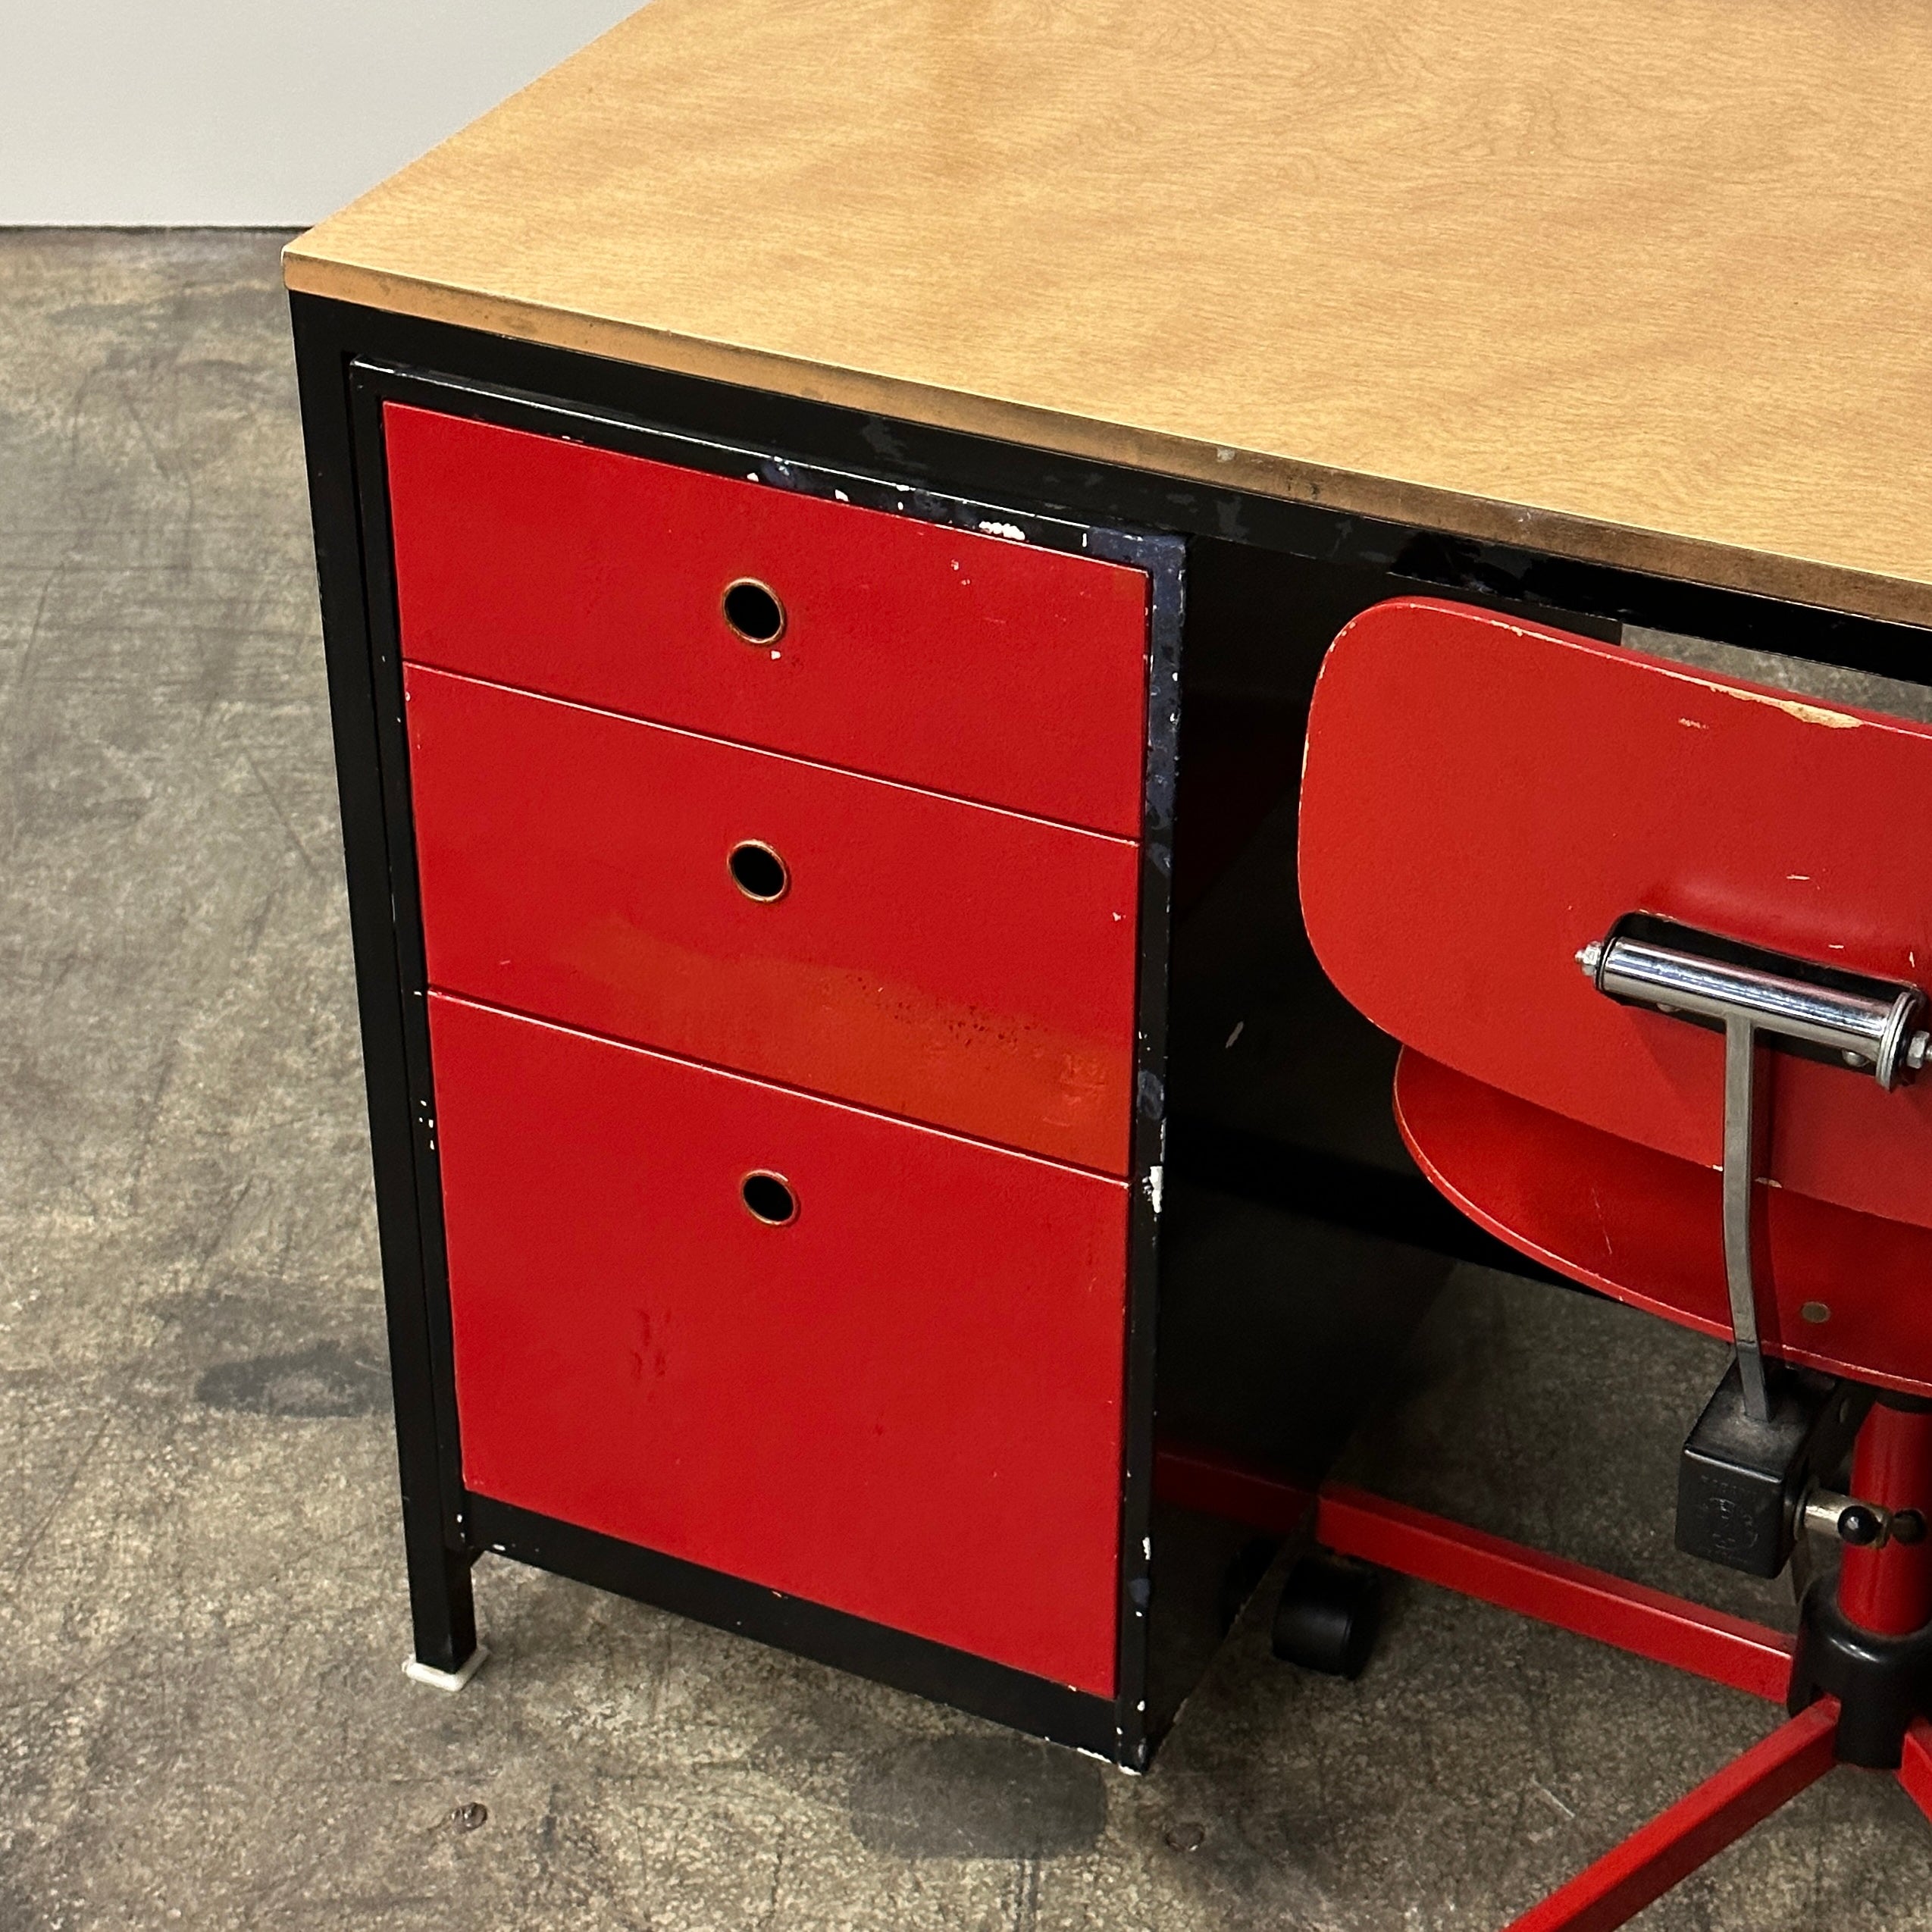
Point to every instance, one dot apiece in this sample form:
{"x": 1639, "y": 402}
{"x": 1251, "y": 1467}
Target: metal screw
{"x": 1591, "y": 957}
{"x": 1860, "y": 1526}
{"x": 1918, "y": 1050}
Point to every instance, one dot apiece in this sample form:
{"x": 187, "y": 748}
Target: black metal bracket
{"x": 1742, "y": 1481}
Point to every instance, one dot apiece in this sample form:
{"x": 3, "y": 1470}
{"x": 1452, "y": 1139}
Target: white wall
{"x": 257, "y": 113}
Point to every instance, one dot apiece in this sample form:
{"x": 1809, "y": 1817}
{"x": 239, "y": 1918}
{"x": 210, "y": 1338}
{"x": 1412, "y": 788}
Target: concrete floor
{"x": 201, "y": 1612}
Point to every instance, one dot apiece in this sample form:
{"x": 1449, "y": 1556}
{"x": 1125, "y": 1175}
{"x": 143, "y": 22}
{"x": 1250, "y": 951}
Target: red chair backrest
{"x": 1482, "y": 797}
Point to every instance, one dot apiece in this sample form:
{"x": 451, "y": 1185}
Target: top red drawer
{"x": 937, "y": 657}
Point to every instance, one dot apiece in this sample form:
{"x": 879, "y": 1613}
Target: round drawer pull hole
{"x": 752, "y": 610}
{"x": 768, "y": 1197}
{"x": 758, "y": 871}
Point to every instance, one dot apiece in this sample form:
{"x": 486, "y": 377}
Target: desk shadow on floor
{"x": 324, "y": 1379}
{"x": 965, "y": 1797}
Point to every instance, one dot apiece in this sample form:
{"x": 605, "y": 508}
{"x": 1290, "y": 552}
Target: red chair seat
{"x": 1645, "y": 1227}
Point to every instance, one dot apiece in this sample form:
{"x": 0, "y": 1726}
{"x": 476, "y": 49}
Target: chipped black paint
{"x": 444, "y": 1525}
{"x": 1096, "y": 493}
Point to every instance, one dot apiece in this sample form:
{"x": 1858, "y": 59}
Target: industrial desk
{"x": 828, "y": 517}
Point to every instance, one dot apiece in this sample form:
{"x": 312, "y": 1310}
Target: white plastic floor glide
{"x": 425, "y": 1674}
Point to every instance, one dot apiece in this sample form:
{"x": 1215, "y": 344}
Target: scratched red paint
{"x": 932, "y": 959}
{"x": 990, "y": 669}
{"x": 906, "y": 1404}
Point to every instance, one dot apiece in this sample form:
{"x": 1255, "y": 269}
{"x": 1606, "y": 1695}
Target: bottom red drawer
{"x": 902, "y": 1401}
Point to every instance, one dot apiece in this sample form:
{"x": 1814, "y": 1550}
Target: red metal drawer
{"x": 930, "y": 958}
{"x": 905, "y": 1404}
{"x": 944, "y": 658}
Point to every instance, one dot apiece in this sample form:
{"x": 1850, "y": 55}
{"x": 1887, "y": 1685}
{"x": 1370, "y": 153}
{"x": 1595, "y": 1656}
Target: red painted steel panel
{"x": 930, "y": 958}
{"x": 905, "y": 1404}
{"x": 964, "y": 662}
{"x": 1482, "y": 797}
{"x": 1915, "y": 1767}
{"x": 1668, "y": 1630}
{"x": 1694, "y": 1831}
{"x": 1647, "y": 1229}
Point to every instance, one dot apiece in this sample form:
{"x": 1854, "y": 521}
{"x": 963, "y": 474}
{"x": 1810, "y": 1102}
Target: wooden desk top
{"x": 1648, "y": 283}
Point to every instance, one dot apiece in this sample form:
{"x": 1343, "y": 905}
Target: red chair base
{"x": 1668, "y": 1630}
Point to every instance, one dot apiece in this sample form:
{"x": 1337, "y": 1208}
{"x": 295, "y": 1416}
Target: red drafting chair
{"x": 1653, "y": 941}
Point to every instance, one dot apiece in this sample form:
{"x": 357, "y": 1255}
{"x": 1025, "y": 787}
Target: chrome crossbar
{"x": 1761, "y": 1001}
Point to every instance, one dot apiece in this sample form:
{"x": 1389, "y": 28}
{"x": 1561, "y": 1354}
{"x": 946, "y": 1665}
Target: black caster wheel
{"x": 1329, "y": 1614}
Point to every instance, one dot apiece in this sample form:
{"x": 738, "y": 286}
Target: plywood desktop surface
{"x": 1645, "y": 284}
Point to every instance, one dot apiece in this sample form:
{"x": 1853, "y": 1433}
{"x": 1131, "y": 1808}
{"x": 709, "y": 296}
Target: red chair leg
{"x": 1694, "y": 1831}
{"x": 1351, "y": 1522}
{"x": 1915, "y": 1766}
{"x": 1553, "y": 1590}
